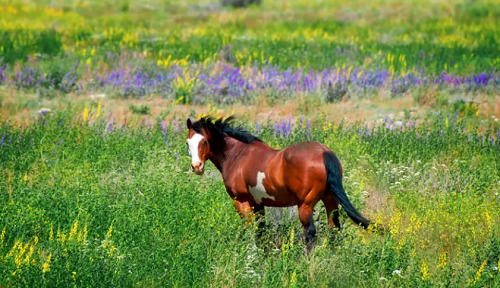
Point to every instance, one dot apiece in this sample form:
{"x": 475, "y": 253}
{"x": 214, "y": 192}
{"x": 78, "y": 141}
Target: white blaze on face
{"x": 259, "y": 191}
{"x": 193, "y": 145}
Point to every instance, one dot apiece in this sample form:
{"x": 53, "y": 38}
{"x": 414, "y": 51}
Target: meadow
{"x": 95, "y": 181}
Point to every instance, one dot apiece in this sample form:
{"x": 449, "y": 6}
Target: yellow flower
{"x": 425, "y": 271}
{"x": 442, "y": 260}
{"x": 98, "y": 109}
{"x": 51, "y": 234}
{"x": 73, "y": 231}
{"x": 2, "y": 237}
{"x": 46, "y": 265}
{"x": 480, "y": 271}
{"x": 85, "y": 113}
{"x": 110, "y": 231}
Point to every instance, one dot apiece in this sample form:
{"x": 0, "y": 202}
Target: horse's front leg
{"x": 245, "y": 210}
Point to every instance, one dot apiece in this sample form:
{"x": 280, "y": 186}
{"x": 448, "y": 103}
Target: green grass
{"x": 456, "y": 36}
{"x": 120, "y": 208}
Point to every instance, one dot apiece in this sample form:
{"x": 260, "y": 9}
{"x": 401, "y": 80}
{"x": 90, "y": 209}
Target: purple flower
{"x": 3, "y": 140}
{"x": 164, "y": 130}
{"x": 288, "y": 126}
{"x": 257, "y": 127}
{"x": 308, "y": 123}
{"x": 108, "y": 127}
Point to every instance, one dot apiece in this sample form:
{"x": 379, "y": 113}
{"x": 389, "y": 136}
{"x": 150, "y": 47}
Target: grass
{"x": 172, "y": 50}
{"x": 90, "y": 203}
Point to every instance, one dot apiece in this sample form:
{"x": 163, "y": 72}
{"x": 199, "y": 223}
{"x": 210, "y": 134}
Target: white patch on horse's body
{"x": 259, "y": 191}
{"x": 193, "y": 144}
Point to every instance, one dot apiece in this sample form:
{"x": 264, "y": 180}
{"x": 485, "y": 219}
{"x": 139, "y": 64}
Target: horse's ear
{"x": 189, "y": 123}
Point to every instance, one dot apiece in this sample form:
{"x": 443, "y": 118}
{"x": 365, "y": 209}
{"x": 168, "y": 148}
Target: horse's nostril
{"x": 196, "y": 165}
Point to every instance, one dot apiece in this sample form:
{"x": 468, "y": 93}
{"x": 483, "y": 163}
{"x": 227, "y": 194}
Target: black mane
{"x": 221, "y": 128}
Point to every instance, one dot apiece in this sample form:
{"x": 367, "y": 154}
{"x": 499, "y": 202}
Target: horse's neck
{"x": 225, "y": 157}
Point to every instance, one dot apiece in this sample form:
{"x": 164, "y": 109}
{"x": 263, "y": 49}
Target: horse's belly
{"x": 266, "y": 194}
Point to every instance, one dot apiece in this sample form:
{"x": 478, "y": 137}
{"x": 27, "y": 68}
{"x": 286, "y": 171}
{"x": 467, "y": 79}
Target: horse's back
{"x": 304, "y": 167}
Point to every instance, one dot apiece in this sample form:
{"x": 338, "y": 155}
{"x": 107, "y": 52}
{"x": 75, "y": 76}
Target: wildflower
{"x": 396, "y": 272}
{"x": 73, "y": 231}
{"x": 84, "y": 234}
{"x": 51, "y": 234}
{"x": 85, "y": 113}
{"x": 2, "y": 237}
{"x": 46, "y": 265}
{"x": 442, "y": 260}
{"x": 424, "y": 269}
{"x": 480, "y": 271}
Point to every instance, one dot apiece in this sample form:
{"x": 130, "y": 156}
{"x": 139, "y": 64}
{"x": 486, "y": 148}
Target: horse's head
{"x": 198, "y": 147}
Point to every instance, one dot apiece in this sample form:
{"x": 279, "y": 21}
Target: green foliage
{"x": 141, "y": 110}
{"x": 84, "y": 203}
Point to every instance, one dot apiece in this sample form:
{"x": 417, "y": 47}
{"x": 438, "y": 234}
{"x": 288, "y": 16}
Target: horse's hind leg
{"x": 306, "y": 218}
{"x": 332, "y": 205}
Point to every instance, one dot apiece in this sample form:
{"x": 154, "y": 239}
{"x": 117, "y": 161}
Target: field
{"x": 95, "y": 181}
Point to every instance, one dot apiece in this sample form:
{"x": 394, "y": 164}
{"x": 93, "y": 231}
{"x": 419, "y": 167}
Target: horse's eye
{"x": 205, "y": 143}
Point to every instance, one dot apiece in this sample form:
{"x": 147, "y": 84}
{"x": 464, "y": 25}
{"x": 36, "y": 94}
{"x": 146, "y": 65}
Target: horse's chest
{"x": 259, "y": 190}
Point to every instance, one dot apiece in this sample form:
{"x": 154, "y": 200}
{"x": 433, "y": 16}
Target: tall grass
{"x": 89, "y": 202}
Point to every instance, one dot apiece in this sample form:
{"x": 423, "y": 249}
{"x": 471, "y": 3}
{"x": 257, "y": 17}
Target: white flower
{"x": 397, "y": 272}
{"x": 97, "y": 96}
{"x": 419, "y": 162}
{"x": 494, "y": 268}
{"x": 382, "y": 278}
{"x": 44, "y": 111}
{"x": 418, "y": 173}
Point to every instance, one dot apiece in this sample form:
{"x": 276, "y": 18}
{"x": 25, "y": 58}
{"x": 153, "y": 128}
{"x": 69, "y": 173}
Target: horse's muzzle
{"x": 197, "y": 168}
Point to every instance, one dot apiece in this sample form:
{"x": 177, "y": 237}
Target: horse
{"x": 256, "y": 175}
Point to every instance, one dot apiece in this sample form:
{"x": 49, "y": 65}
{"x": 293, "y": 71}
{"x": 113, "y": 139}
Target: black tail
{"x": 334, "y": 185}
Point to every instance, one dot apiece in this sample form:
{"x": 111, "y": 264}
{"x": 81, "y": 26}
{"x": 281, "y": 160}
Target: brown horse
{"x": 256, "y": 175}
